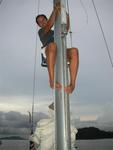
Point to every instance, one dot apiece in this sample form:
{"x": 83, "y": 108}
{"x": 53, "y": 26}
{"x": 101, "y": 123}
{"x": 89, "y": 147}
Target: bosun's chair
{"x": 44, "y": 61}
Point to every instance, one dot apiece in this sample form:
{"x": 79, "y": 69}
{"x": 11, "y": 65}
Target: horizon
{"x": 18, "y": 124}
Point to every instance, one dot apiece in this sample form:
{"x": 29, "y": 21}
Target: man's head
{"x": 41, "y": 20}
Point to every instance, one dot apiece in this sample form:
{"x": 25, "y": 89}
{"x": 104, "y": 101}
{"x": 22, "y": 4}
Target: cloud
{"x": 88, "y": 117}
{"x": 16, "y": 123}
{"x": 107, "y": 112}
{"x": 13, "y": 119}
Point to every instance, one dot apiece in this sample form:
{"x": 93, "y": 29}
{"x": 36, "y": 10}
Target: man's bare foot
{"x": 55, "y": 86}
{"x": 69, "y": 89}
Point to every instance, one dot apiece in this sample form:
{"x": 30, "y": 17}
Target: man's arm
{"x": 53, "y": 17}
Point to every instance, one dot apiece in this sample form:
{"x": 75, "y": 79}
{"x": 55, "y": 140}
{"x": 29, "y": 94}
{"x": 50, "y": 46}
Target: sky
{"x": 92, "y": 99}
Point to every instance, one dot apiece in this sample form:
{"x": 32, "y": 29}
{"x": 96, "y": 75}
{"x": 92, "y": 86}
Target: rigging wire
{"x": 104, "y": 38}
{"x": 70, "y": 29}
{"x": 34, "y": 70}
{"x": 37, "y": 3}
{"x": 86, "y": 14}
{"x": 68, "y": 10}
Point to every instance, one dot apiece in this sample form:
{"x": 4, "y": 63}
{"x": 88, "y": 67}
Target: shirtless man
{"x": 46, "y": 35}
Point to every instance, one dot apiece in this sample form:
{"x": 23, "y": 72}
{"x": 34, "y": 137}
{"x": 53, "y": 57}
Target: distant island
{"x": 93, "y": 133}
{"x": 12, "y": 138}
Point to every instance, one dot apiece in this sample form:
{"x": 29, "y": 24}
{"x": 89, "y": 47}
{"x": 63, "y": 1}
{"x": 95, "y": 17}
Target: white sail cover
{"x": 44, "y": 134}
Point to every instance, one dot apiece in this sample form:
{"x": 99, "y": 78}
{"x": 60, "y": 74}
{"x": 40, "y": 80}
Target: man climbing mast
{"x": 46, "y": 35}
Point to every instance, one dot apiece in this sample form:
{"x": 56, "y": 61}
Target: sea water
{"x": 106, "y": 144}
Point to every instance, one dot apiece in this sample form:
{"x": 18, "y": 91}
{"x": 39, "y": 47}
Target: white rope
{"x": 70, "y": 29}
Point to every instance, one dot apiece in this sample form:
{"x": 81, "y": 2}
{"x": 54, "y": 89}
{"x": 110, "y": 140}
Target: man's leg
{"x": 73, "y": 58}
{"x": 50, "y": 52}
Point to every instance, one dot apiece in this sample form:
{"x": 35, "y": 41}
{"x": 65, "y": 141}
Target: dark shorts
{"x": 48, "y": 42}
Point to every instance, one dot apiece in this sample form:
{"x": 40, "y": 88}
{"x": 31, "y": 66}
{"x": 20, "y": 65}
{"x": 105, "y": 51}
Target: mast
{"x": 62, "y": 110}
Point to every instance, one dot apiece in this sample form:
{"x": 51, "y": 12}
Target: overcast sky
{"x": 93, "y": 96}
